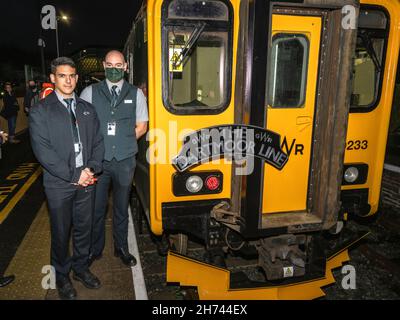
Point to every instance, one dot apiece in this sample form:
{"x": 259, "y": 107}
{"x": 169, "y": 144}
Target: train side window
{"x": 288, "y": 71}
{"x": 197, "y": 51}
{"x": 369, "y": 60}
{"x": 367, "y": 69}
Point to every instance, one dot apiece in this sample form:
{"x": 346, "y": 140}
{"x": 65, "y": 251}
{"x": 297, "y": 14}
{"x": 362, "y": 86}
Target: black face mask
{"x": 33, "y": 87}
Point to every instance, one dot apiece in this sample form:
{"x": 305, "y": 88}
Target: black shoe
{"x": 93, "y": 257}
{"x": 6, "y": 280}
{"x": 66, "y": 291}
{"x": 88, "y": 279}
{"x": 125, "y": 256}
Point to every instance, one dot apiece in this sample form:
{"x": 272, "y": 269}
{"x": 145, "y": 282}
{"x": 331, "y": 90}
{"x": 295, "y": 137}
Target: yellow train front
{"x": 250, "y": 133}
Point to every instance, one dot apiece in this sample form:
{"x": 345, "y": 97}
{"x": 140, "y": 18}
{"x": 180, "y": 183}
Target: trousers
{"x": 119, "y": 175}
{"x": 71, "y": 211}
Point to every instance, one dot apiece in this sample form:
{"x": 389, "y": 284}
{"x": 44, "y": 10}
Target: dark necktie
{"x": 73, "y": 119}
{"x": 114, "y": 96}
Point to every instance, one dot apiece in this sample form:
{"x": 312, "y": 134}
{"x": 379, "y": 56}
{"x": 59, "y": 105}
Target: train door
{"x": 290, "y": 109}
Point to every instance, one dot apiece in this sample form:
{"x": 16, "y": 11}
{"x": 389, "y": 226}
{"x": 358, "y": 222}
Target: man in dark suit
{"x": 66, "y": 139}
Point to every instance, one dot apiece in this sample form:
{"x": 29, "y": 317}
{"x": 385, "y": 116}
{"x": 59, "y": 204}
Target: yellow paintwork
{"x": 160, "y": 118}
{"x": 294, "y": 124}
{"x": 213, "y": 283}
{"x": 373, "y": 126}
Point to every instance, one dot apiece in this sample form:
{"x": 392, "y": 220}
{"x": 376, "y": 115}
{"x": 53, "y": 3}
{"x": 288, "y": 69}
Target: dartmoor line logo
{"x": 234, "y": 142}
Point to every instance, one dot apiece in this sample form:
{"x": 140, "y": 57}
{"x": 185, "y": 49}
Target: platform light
{"x": 194, "y": 184}
{"x": 351, "y": 174}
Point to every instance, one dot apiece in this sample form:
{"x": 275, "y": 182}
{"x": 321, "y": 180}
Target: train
{"x": 268, "y": 124}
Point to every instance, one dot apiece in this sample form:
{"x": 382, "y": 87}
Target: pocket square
{"x": 86, "y": 113}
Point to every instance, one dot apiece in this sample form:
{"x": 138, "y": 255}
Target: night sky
{"x": 91, "y": 24}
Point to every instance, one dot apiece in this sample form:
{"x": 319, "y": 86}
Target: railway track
{"x": 377, "y": 261}
{"x": 154, "y": 266}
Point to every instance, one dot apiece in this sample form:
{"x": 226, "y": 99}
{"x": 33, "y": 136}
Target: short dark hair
{"x": 61, "y": 61}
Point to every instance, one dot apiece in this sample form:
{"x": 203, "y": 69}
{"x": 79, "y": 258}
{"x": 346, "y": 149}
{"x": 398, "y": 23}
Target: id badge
{"x": 111, "y": 127}
{"x": 79, "y": 160}
{"x": 76, "y": 147}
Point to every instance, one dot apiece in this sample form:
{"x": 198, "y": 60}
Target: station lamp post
{"x": 59, "y": 18}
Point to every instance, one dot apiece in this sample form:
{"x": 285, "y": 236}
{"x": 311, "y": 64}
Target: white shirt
{"x": 119, "y": 85}
{"x": 141, "y": 104}
{"x": 61, "y": 99}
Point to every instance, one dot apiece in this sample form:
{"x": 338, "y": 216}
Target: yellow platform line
{"x": 14, "y": 200}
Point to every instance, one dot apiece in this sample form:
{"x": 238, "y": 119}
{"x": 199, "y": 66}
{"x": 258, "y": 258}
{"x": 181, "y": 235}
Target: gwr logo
{"x": 297, "y": 147}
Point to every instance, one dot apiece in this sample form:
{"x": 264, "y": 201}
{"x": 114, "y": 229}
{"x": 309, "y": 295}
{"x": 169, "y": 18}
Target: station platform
{"x": 30, "y": 267}
{"x": 25, "y": 238}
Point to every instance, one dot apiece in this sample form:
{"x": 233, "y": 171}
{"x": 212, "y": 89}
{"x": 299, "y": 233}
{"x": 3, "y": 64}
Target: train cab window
{"x": 288, "y": 71}
{"x": 210, "y": 10}
{"x": 197, "y": 56}
{"x": 369, "y": 59}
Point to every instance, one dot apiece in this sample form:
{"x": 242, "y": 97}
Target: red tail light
{"x": 212, "y": 183}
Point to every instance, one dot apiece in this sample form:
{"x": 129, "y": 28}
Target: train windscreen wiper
{"x": 366, "y": 39}
{"x": 195, "y": 35}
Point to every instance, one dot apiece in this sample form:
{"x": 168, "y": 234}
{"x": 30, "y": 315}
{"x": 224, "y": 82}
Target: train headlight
{"x": 194, "y": 184}
{"x": 351, "y": 174}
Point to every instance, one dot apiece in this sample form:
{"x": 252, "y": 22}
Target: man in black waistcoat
{"x": 122, "y": 111}
{"x": 66, "y": 139}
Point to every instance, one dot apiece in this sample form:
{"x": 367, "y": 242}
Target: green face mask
{"x": 114, "y": 74}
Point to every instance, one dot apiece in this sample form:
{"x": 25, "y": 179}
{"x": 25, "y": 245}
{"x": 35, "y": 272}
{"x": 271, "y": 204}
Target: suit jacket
{"x": 53, "y": 144}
